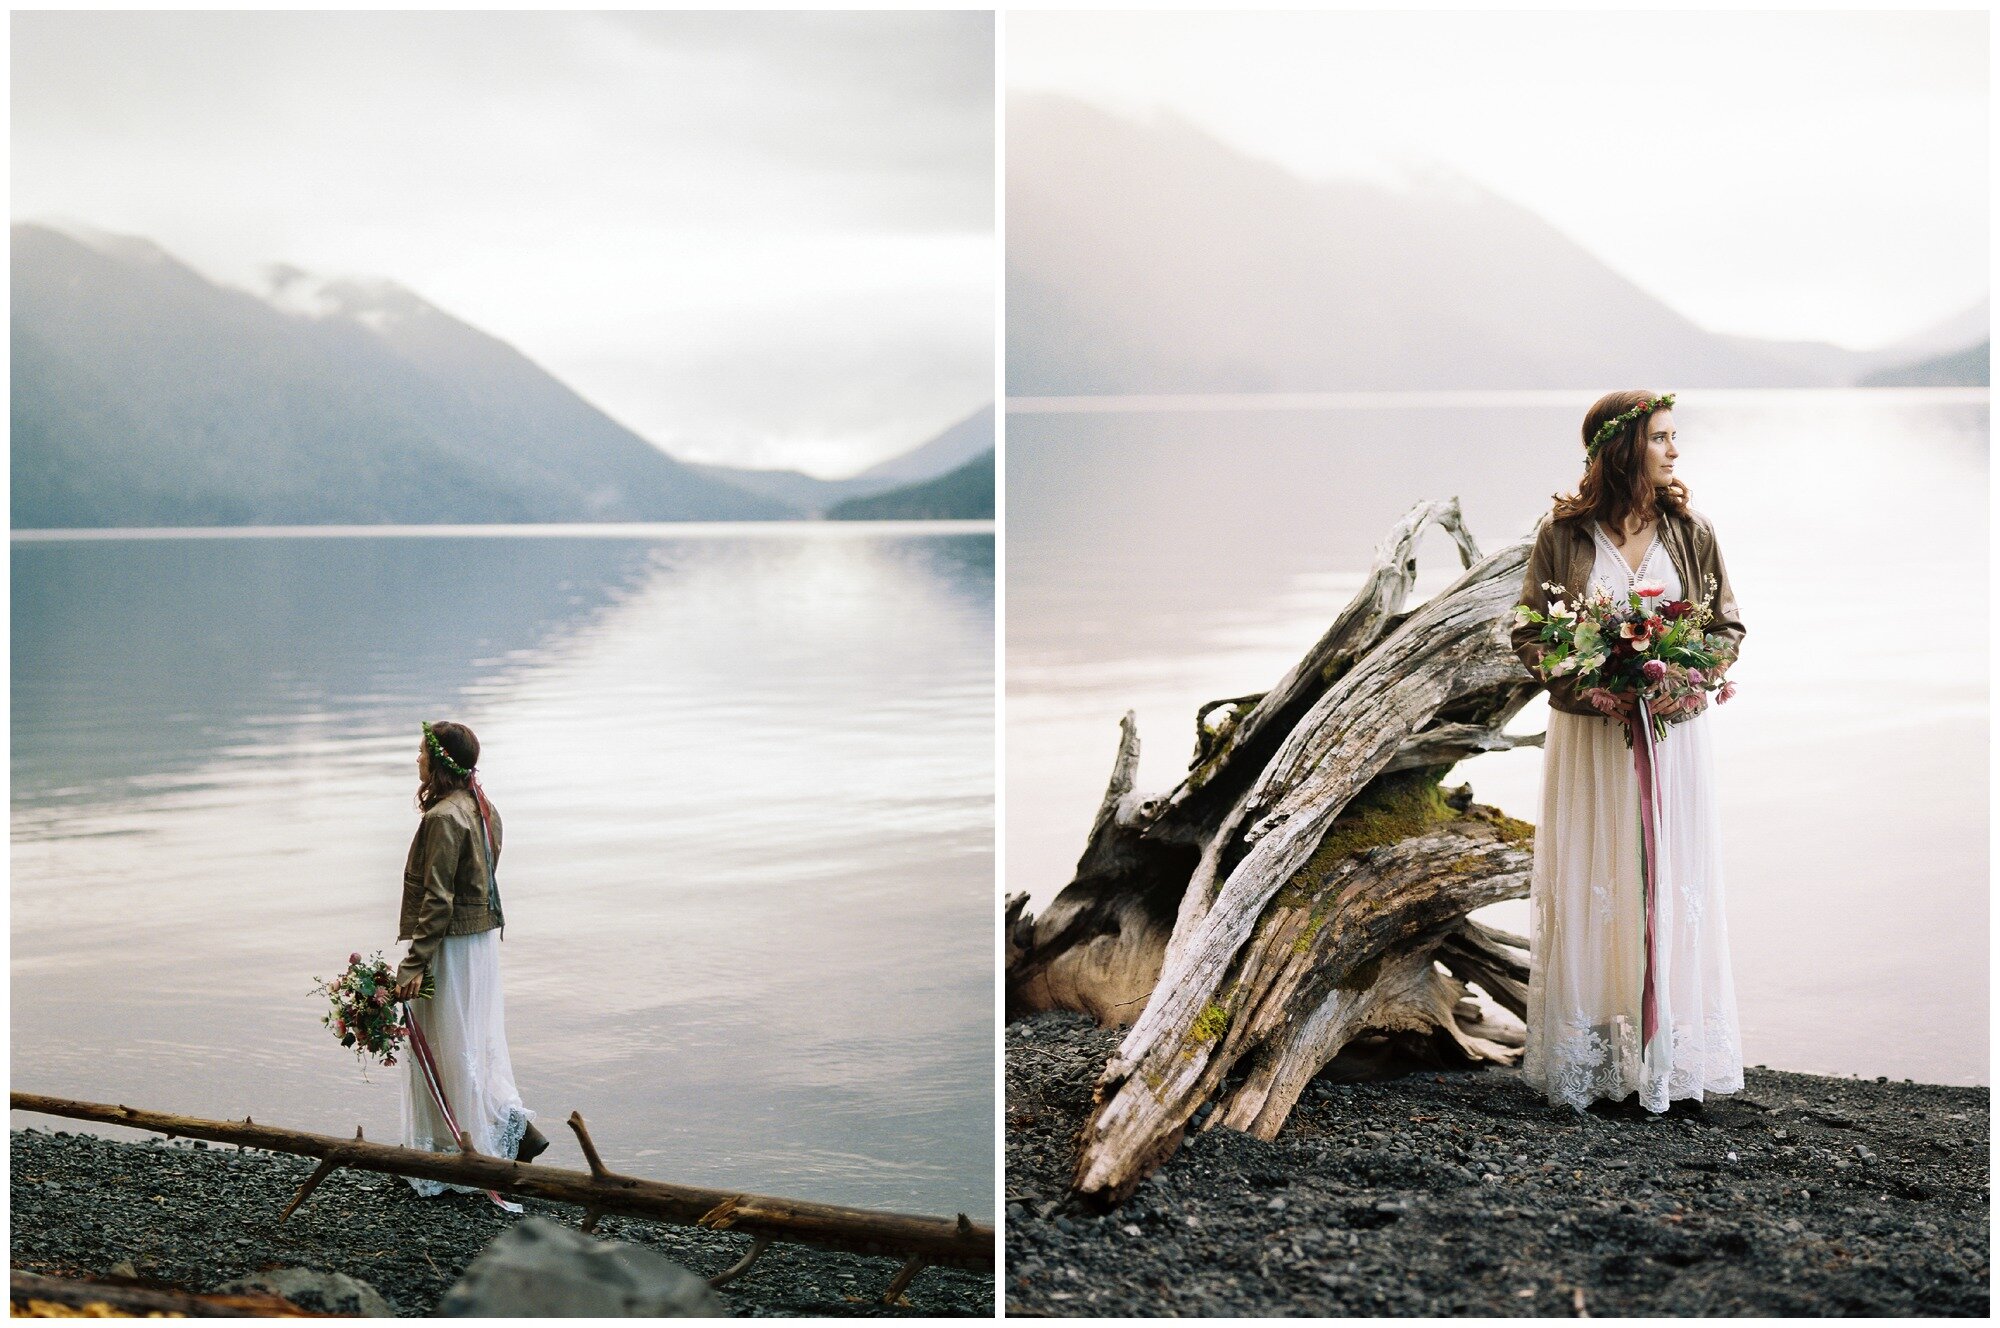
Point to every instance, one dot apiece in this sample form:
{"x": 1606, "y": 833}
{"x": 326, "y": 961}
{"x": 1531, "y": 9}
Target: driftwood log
{"x": 1307, "y": 882}
{"x": 34, "y": 1296}
{"x": 919, "y": 1242}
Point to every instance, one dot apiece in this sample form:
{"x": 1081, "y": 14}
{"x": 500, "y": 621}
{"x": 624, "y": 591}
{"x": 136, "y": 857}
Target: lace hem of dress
{"x": 512, "y": 1131}
{"x": 1587, "y": 1061}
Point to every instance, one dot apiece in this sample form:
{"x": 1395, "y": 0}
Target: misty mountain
{"x": 963, "y": 494}
{"x": 145, "y": 394}
{"x": 1957, "y": 334}
{"x": 1971, "y": 367}
{"x": 1950, "y": 340}
{"x": 806, "y": 495}
{"x": 1153, "y": 258}
{"x": 943, "y": 454}
{"x": 811, "y": 495}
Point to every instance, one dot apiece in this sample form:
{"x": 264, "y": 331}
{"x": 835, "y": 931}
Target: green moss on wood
{"x": 1390, "y": 810}
{"x": 1305, "y": 940}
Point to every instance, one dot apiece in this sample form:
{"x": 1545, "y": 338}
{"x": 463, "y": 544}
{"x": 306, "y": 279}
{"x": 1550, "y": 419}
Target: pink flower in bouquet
{"x": 381, "y": 998}
{"x": 1651, "y": 592}
{"x": 1654, "y": 670}
{"x": 340, "y": 1026}
{"x": 354, "y": 958}
{"x": 1728, "y": 690}
{"x": 1695, "y": 676}
{"x": 1602, "y": 699}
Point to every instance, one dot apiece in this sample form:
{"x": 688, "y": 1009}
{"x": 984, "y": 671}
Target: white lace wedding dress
{"x": 466, "y": 1026}
{"x": 1587, "y": 922}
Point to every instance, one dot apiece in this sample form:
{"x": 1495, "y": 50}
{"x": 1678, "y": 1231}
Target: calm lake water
{"x": 1163, "y": 553}
{"x": 747, "y": 774}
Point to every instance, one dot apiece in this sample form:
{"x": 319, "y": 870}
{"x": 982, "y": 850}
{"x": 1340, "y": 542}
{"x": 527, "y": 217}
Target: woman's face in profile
{"x": 423, "y": 762}
{"x": 1660, "y": 449}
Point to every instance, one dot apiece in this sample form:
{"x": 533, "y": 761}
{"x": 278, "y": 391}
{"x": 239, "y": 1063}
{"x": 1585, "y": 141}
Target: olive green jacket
{"x": 447, "y": 883}
{"x": 1564, "y": 553}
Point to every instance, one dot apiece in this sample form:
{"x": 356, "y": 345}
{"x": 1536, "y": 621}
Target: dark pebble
{"x": 218, "y": 1221}
{"x": 1649, "y": 1217}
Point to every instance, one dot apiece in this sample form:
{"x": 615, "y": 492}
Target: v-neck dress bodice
{"x": 1611, "y": 572}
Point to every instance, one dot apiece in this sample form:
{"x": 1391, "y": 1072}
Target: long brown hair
{"x": 1614, "y": 484}
{"x": 462, "y": 745}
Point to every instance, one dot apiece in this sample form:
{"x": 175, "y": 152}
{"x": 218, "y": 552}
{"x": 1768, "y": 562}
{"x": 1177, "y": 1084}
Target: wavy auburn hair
{"x": 1614, "y": 484}
{"x": 459, "y": 743}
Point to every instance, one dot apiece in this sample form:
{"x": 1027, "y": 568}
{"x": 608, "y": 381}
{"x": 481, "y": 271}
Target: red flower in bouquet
{"x": 361, "y": 1011}
{"x": 1634, "y": 645}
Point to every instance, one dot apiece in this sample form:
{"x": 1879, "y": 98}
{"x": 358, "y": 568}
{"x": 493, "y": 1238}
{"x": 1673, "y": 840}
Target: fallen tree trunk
{"x": 918, "y": 1241}
{"x": 1306, "y": 880}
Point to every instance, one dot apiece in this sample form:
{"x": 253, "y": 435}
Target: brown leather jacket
{"x": 1564, "y": 552}
{"x": 446, "y": 882}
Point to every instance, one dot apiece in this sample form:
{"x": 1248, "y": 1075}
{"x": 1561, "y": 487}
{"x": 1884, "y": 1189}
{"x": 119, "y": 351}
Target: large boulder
{"x": 540, "y": 1269}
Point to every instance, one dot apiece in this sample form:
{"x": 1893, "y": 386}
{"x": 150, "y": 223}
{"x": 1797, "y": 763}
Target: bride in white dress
{"x": 1628, "y": 526}
{"x": 452, "y": 915}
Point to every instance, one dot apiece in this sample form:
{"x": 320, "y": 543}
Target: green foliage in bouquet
{"x": 362, "y": 1008}
{"x": 1662, "y": 651}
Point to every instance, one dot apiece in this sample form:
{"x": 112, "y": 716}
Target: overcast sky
{"x": 765, "y": 239}
{"x": 1817, "y": 175}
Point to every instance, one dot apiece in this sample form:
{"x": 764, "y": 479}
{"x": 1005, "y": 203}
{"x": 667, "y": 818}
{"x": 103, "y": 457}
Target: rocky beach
{"x": 1463, "y": 1192}
{"x": 196, "y": 1216}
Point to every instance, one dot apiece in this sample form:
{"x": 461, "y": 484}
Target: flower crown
{"x": 1609, "y": 429}
{"x": 441, "y": 756}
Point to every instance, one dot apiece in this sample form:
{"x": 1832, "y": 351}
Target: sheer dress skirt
{"x": 1587, "y": 938}
{"x": 466, "y": 1026}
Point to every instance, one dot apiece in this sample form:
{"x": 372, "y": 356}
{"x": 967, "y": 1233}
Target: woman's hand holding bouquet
{"x": 363, "y": 1013}
{"x": 1620, "y": 650}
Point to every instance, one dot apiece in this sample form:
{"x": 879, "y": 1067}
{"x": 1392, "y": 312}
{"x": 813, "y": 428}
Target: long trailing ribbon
{"x": 1640, "y": 723}
{"x": 435, "y": 1082}
{"x": 486, "y": 834}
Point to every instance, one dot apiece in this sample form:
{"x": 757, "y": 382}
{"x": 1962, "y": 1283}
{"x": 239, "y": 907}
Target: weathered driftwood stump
{"x": 1307, "y": 882}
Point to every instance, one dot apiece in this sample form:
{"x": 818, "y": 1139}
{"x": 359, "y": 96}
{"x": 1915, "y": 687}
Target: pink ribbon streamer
{"x": 1640, "y": 723}
{"x": 428, "y": 1064}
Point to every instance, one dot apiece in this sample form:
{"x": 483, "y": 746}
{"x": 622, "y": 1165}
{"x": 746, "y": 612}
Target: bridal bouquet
{"x": 363, "y": 1013}
{"x": 1635, "y": 645}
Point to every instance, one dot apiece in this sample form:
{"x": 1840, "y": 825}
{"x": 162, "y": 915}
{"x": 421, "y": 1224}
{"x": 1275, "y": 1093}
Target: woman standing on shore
{"x": 1628, "y": 525}
{"x": 451, "y": 915}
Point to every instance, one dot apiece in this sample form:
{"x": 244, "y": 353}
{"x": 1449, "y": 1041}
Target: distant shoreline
{"x": 498, "y": 530}
{"x": 1467, "y": 398}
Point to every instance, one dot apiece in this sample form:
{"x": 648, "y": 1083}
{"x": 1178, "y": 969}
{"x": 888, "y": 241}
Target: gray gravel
{"x": 1465, "y": 1193}
{"x": 196, "y": 1215}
